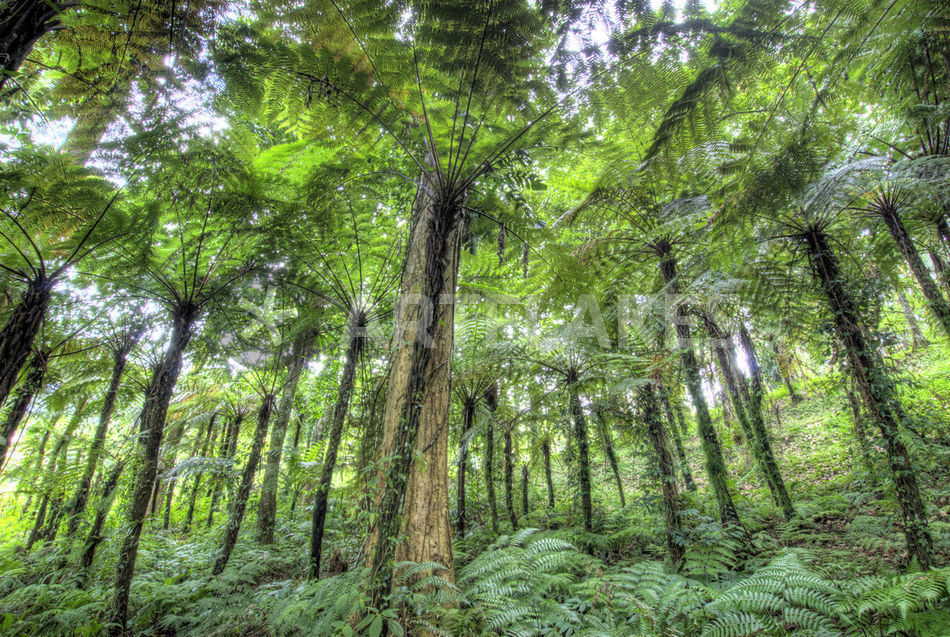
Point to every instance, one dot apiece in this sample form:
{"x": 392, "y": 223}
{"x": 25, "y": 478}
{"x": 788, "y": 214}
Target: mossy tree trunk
{"x": 413, "y": 498}
{"x": 340, "y": 409}
{"x": 876, "y": 389}
{"x": 491, "y": 400}
{"x": 267, "y": 509}
{"x": 509, "y": 466}
{"x": 119, "y": 362}
{"x": 22, "y": 399}
{"x": 468, "y": 416}
{"x": 760, "y": 434}
{"x": 19, "y": 332}
{"x": 196, "y": 486}
{"x": 549, "y": 482}
{"x": 610, "y": 453}
{"x": 583, "y": 452}
{"x": 239, "y": 503}
{"x": 650, "y": 414}
{"x": 715, "y": 465}
{"x": 151, "y": 427}
{"x": 677, "y": 442}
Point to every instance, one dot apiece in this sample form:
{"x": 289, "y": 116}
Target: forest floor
{"x": 835, "y": 568}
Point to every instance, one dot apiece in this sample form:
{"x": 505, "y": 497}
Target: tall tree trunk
{"x": 877, "y": 391}
{"x": 170, "y": 458}
{"x": 935, "y": 300}
{"x": 239, "y": 503}
{"x": 611, "y": 454}
{"x": 751, "y": 419}
{"x": 650, "y": 413}
{"x": 22, "y": 23}
{"x": 340, "y": 409}
{"x": 17, "y": 336}
{"x": 715, "y": 465}
{"x": 151, "y": 427}
{"x": 468, "y": 414}
{"x": 524, "y": 488}
{"x": 95, "y": 537}
{"x": 510, "y": 480}
{"x": 78, "y": 505}
{"x": 48, "y": 508}
{"x": 583, "y": 454}
{"x": 414, "y": 496}
{"x": 491, "y": 399}
{"x": 943, "y": 274}
{"x": 546, "y": 452}
{"x": 22, "y": 400}
{"x": 205, "y": 448}
{"x": 760, "y": 435}
{"x": 677, "y": 442}
{"x": 916, "y": 334}
{"x": 38, "y": 464}
{"x": 228, "y": 449}
{"x": 267, "y": 509}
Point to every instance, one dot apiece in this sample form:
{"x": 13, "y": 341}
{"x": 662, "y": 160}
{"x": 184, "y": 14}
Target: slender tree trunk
{"x": 239, "y": 503}
{"x": 205, "y": 448}
{"x": 583, "y": 454}
{"x": 491, "y": 400}
{"x": 715, "y": 465}
{"x": 228, "y": 449}
{"x": 935, "y": 300}
{"x": 152, "y": 426}
{"x": 468, "y": 414}
{"x": 340, "y": 409}
{"x": 546, "y": 452}
{"x": 680, "y": 417}
{"x": 170, "y": 458}
{"x": 611, "y": 454}
{"x": 917, "y": 335}
{"x": 38, "y": 464}
{"x": 103, "y": 507}
{"x": 943, "y": 274}
{"x": 22, "y": 400}
{"x": 42, "y": 529}
{"x": 524, "y": 488}
{"x": 17, "y": 336}
{"x": 877, "y": 391}
{"x": 509, "y": 480}
{"x": 267, "y": 509}
{"x": 678, "y": 443}
{"x": 22, "y": 23}
{"x": 649, "y": 406}
{"x": 78, "y": 505}
{"x": 760, "y": 435}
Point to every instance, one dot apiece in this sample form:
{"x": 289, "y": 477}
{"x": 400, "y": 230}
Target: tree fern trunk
{"x": 783, "y": 372}
{"x": 509, "y": 480}
{"x": 228, "y": 449}
{"x": 678, "y": 443}
{"x": 267, "y": 509}
{"x": 760, "y": 435}
{"x": 715, "y": 465}
{"x": 524, "y": 488}
{"x": 22, "y": 400}
{"x": 205, "y": 448}
{"x": 17, "y": 336}
{"x": 611, "y": 454}
{"x": 22, "y": 23}
{"x": 546, "y": 453}
{"x": 647, "y": 401}
{"x": 468, "y": 413}
{"x": 243, "y": 495}
{"x": 935, "y": 300}
{"x": 877, "y": 391}
{"x": 583, "y": 454}
{"x": 340, "y": 410}
{"x": 152, "y": 426}
{"x": 916, "y": 334}
{"x": 95, "y": 537}
{"x": 78, "y": 505}
{"x": 413, "y": 501}
{"x": 491, "y": 400}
